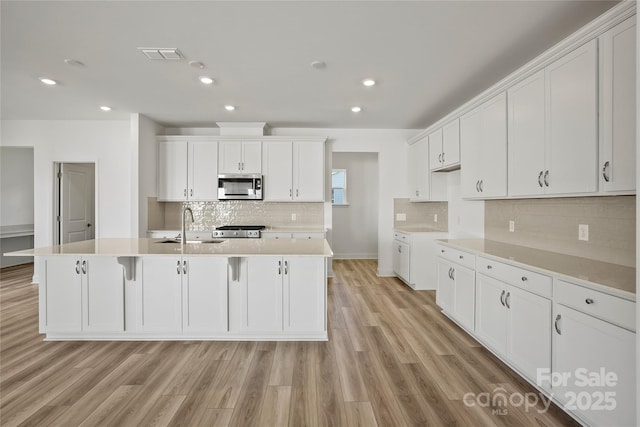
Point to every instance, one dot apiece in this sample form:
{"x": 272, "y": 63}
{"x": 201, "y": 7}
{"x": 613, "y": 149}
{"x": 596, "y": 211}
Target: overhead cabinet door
{"x": 572, "y": 119}
{"x": 278, "y": 164}
{"x": 308, "y": 171}
{"x": 203, "y": 170}
{"x": 172, "y": 171}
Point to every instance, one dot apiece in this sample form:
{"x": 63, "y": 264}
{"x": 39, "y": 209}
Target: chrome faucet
{"x": 183, "y": 236}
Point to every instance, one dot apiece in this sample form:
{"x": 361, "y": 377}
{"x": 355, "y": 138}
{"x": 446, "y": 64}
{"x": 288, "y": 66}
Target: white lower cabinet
{"x": 456, "y": 292}
{"x": 515, "y": 323}
{"x": 402, "y": 260}
{"x": 187, "y": 294}
{"x": 82, "y": 294}
{"x": 272, "y": 294}
{"x": 594, "y": 359}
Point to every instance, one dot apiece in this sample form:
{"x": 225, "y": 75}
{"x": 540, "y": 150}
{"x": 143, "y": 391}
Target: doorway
{"x": 74, "y": 210}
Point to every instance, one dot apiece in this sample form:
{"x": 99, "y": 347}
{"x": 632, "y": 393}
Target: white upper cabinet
{"x": 483, "y": 140}
{"x": 572, "y": 122}
{"x": 240, "y": 157}
{"x": 618, "y": 107}
{"x": 444, "y": 147}
{"x": 293, "y": 171}
{"x": 187, "y": 170}
{"x": 419, "y": 170}
{"x": 527, "y": 136}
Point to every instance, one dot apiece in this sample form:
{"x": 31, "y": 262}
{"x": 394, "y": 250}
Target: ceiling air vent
{"x": 161, "y": 53}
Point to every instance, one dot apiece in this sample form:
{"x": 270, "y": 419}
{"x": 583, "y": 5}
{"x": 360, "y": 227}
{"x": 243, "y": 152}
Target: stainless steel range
{"x": 238, "y": 231}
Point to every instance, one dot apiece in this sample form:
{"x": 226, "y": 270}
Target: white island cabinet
{"x": 82, "y": 294}
{"x": 150, "y": 289}
{"x": 272, "y": 295}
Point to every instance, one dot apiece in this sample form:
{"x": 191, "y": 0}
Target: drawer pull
{"x": 558, "y": 317}
{"x": 589, "y": 301}
{"x": 461, "y": 257}
{"x": 442, "y": 250}
{"x": 489, "y": 267}
{"x": 506, "y": 300}
{"x": 524, "y": 278}
{"x": 502, "y": 298}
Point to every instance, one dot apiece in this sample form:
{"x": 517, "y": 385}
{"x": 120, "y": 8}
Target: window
{"x": 339, "y": 186}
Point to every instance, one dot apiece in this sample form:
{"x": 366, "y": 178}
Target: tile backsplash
{"x": 552, "y": 224}
{"x": 421, "y": 214}
{"x": 208, "y": 215}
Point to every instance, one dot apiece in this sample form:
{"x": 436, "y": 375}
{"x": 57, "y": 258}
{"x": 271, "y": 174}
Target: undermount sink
{"x": 193, "y": 241}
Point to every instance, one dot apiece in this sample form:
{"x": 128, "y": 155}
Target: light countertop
{"x": 612, "y": 278}
{"x": 418, "y": 229}
{"x": 149, "y": 247}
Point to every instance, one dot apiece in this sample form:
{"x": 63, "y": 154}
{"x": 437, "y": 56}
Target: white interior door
{"x": 76, "y": 202}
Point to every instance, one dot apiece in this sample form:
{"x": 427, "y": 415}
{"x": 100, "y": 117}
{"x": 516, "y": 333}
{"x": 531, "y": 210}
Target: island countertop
{"x": 131, "y": 247}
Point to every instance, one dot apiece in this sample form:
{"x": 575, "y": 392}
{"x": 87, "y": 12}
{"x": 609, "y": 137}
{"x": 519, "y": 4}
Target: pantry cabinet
{"x": 83, "y": 294}
{"x": 444, "y": 147}
{"x": 240, "y": 157}
{"x": 483, "y": 145}
{"x": 618, "y": 108}
{"x": 293, "y": 171}
{"x": 584, "y": 346}
{"x": 418, "y": 162}
{"x": 187, "y": 170}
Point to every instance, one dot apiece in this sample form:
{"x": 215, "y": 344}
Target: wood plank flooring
{"x": 392, "y": 359}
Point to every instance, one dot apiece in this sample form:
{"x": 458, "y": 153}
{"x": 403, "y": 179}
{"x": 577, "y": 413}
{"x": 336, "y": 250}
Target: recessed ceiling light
{"x": 229, "y": 107}
{"x": 196, "y": 64}
{"x": 74, "y": 63}
{"x": 105, "y": 108}
{"x": 318, "y": 64}
{"x": 48, "y": 81}
{"x": 206, "y": 80}
{"x": 368, "y": 82}
{"x": 356, "y": 109}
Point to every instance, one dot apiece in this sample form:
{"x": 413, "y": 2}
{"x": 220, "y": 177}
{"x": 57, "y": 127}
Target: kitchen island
{"x": 158, "y": 289}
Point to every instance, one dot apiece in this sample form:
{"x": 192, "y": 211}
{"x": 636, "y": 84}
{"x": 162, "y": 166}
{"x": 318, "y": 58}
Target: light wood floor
{"x": 392, "y": 360}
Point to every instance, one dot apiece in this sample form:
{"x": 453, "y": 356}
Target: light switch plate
{"x": 583, "y": 232}
{"x": 435, "y": 217}
{"x": 512, "y": 226}
{"x": 294, "y": 217}
{"x": 401, "y": 217}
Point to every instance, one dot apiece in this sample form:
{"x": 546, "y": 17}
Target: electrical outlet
{"x": 435, "y": 217}
{"x": 512, "y": 226}
{"x": 401, "y": 217}
{"x": 583, "y": 232}
{"x": 294, "y": 217}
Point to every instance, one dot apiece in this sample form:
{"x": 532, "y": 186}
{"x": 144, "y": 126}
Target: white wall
{"x": 355, "y": 226}
{"x": 144, "y": 149}
{"x": 105, "y": 143}
{"x": 391, "y": 146}
{"x": 16, "y": 186}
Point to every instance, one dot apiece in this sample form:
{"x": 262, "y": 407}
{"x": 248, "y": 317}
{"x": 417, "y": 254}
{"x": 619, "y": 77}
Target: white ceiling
{"x": 427, "y": 56}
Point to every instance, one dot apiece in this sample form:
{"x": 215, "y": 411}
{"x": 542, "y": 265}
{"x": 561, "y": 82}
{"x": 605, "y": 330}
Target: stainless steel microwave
{"x": 239, "y": 187}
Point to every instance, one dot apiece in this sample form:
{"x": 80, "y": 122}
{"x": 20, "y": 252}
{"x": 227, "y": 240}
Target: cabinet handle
{"x": 279, "y": 268}
{"x": 442, "y": 157}
{"x": 506, "y": 300}
{"x": 546, "y": 178}
{"x": 242, "y": 165}
{"x": 502, "y": 298}
{"x": 178, "y": 267}
{"x": 184, "y": 267}
{"x": 589, "y": 301}
{"x": 453, "y": 273}
{"x": 605, "y": 171}
{"x": 482, "y": 185}
{"x": 558, "y": 317}
{"x": 450, "y": 273}
{"x": 185, "y": 192}
{"x": 84, "y": 266}
{"x": 478, "y": 186}
{"x": 417, "y": 192}
{"x": 290, "y": 192}
{"x": 286, "y": 267}
{"x": 540, "y": 179}
{"x": 400, "y": 249}
{"x": 524, "y": 278}
{"x": 489, "y": 267}
{"x": 239, "y": 168}
{"x": 78, "y": 266}
{"x": 297, "y": 192}
{"x": 191, "y": 192}
{"x": 442, "y": 250}
{"x": 461, "y": 257}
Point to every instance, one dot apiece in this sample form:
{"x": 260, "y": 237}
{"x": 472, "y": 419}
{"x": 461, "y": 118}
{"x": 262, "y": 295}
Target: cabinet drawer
{"x": 460, "y": 257}
{"x": 537, "y": 283}
{"x": 307, "y": 235}
{"x": 599, "y": 304}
